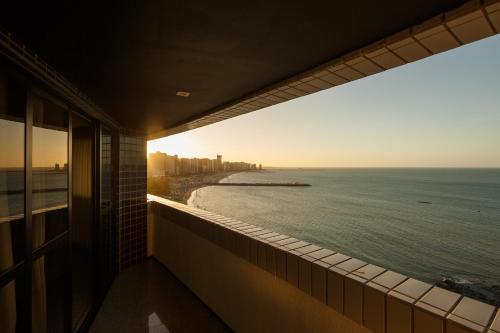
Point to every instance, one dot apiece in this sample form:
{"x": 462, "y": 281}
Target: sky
{"x": 49, "y": 146}
{"x": 442, "y": 111}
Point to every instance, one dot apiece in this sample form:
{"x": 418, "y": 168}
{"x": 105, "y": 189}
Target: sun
{"x": 180, "y": 145}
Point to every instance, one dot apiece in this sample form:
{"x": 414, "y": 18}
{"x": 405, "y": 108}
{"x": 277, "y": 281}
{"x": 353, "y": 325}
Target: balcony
{"x": 148, "y": 298}
{"x": 256, "y": 280}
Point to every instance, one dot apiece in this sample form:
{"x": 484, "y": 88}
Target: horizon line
{"x": 381, "y": 167}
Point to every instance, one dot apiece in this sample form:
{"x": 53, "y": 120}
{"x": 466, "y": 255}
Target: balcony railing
{"x": 257, "y": 280}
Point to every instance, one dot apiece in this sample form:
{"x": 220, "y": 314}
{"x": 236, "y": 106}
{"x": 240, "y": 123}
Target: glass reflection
{"x": 50, "y": 170}
{"x": 12, "y": 110}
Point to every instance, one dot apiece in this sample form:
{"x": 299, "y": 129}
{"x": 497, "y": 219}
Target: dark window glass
{"x": 82, "y": 217}
{"x": 12, "y": 111}
{"x": 49, "y": 290}
{"x": 50, "y": 170}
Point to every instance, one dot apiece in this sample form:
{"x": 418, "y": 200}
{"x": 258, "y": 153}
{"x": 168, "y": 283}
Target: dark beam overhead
{"x": 132, "y": 57}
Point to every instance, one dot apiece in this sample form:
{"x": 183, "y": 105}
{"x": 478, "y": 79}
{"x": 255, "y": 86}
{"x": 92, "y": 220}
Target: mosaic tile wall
{"x": 132, "y": 205}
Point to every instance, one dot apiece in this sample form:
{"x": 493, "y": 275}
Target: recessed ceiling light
{"x": 183, "y": 93}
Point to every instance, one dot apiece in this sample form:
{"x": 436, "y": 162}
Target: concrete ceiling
{"x": 132, "y": 57}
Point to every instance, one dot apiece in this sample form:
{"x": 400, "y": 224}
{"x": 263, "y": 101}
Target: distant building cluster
{"x": 57, "y": 167}
{"x": 162, "y": 164}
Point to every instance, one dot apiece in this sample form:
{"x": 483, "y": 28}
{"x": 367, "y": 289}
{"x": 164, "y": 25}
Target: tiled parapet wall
{"x": 379, "y": 299}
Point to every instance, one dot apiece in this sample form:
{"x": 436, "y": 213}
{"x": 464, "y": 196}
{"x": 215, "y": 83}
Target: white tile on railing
{"x": 399, "y": 315}
{"x": 244, "y": 226}
{"x": 412, "y": 288}
{"x": 268, "y": 235}
{"x": 309, "y": 248}
{"x": 296, "y": 245}
{"x": 353, "y": 297}
{"x": 335, "y": 288}
{"x": 374, "y": 307}
{"x": 469, "y": 316}
{"x": 251, "y": 230}
{"x": 318, "y": 280}
{"x": 431, "y": 310}
{"x": 335, "y": 259}
{"x": 440, "y": 298}
{"x": 237, "y": 225}
{"x": 247, "y": 228}
{"x": 354, "y": 286}
{"x": 244, "y": 247}
{"x": 254, "y": 250}
{"x": 280, "y": 254}
{"x": 389, "y": 279}
{"x": 277, "y": 238}
{"x": 369, "y": 272}
{"x": 286, "y": 241}
{"x": 260, "y": 233}
{"x": 321, "y": 253}
{"x": 351, "y": 265}
{"x": 270, "y": 258}
{"x": 261, "y": 254}
{"x": 495, "y": 325}
{"x": 305, "y": 271}
{"x": 400, "y": 303}
{"x": 292, "y": 267}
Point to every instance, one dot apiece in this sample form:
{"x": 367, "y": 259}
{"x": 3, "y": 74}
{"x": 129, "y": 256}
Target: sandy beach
{"x": 179, "y": 188}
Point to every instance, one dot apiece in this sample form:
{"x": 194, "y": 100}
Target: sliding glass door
{"x": 49, "y": 208}
{"x": 56, "y": 261}
{"x": 12, "y": 187}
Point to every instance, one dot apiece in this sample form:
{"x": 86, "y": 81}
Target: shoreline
{"x": 182, "y": 187}
{"x": 208, "y": 180}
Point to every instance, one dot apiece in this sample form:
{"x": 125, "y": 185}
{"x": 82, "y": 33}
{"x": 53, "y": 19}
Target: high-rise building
{"x": 219, "y": 163}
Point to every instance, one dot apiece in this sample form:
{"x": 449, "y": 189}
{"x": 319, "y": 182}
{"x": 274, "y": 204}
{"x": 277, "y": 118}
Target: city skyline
{"x": 437, "y": 112}
{"x": 161, "y": 164}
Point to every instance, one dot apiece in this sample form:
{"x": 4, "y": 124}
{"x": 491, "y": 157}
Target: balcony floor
{"x": 148, "y": 298}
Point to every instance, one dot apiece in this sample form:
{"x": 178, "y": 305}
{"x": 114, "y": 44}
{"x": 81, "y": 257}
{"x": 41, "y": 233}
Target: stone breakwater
{"x": 487, "y": 293}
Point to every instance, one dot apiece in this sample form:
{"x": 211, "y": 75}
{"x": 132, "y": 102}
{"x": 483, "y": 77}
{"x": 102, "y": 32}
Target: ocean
{"x": 50, "y": 190}
{"x": 424, "y": 223}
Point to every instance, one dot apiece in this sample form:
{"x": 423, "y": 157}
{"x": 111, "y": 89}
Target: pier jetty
{"x": 260, "y": 184}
